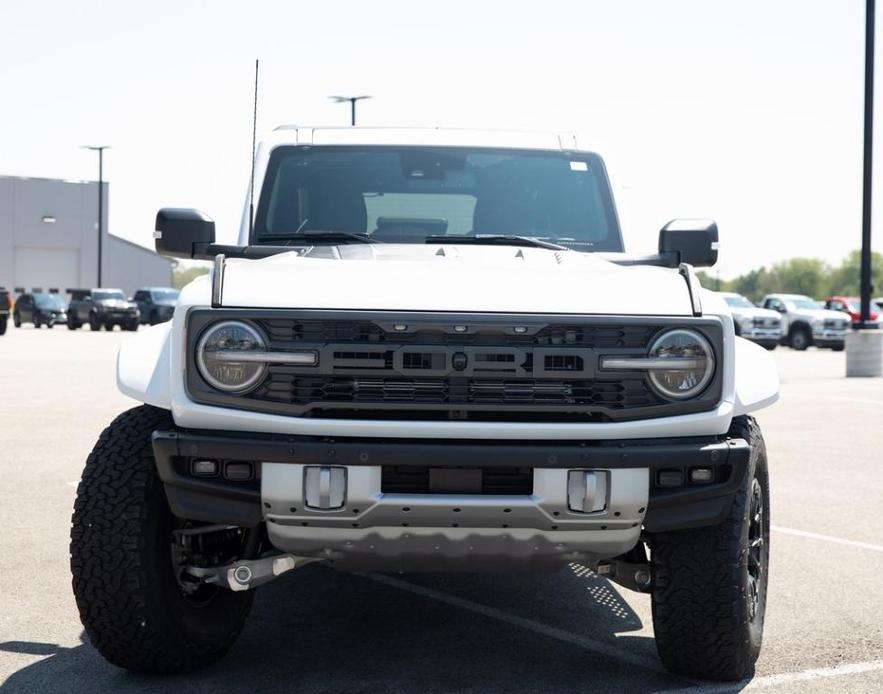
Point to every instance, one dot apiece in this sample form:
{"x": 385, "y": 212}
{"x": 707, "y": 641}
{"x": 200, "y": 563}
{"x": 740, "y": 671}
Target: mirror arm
{"x": 693, "y": 287}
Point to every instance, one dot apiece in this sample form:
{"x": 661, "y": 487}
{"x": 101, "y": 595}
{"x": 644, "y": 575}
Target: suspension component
{"x": 246, "y": 574}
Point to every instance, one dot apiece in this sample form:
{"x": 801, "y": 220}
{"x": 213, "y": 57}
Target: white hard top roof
{"x": 439, "y": 137}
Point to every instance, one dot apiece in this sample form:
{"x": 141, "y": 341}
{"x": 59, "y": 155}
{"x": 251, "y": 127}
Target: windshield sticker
{"x": 579, "y": 166}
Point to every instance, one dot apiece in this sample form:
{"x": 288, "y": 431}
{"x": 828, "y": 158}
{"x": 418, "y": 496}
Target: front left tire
{"x": 710, "y": 583}
{"x": 127, "y": 588}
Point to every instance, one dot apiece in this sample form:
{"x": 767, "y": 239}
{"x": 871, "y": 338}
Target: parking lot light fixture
{"x": 100, "y": 149}
{"x": 352, "y": 101}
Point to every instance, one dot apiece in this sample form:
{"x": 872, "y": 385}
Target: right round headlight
{"x": 226, "y": 356}
{"x": 692, "y": 364}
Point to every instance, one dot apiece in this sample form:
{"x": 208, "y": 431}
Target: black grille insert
{"x": 491, "y": 481}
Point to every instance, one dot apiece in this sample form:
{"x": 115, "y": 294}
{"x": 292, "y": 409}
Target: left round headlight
{"x": 229, "y": 356}
{"x": 690, "y": 367}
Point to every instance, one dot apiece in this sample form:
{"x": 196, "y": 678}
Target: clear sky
{"x": 748, "y": 112}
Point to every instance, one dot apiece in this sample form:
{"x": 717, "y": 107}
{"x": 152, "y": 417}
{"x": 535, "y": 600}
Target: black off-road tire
{"x": 128, "y": 597}
{"x": 3, "y": 322}
{"x": 94, "y": 323}
{"x": 702, "y": 587}
{"x": 800, "y": 338}
{"x": 72, "y": 325}
{"x": 16, "y": 320}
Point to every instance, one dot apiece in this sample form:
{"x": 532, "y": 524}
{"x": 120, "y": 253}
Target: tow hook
{"x": 632, "y": 576}
{"x": 246, "y": 574}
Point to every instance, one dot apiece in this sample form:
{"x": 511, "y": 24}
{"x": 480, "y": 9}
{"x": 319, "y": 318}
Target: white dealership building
{"x": 49, "y": 240}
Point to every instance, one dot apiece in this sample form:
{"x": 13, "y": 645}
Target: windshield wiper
{"x": 497, "y": 240}
{"x": 313, "y": 235}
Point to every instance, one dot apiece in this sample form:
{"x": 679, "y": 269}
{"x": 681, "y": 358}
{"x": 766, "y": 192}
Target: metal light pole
{"x": 352, "y": 101}
{"x": 100, "y": 149}
{"x": 868, "y": 166}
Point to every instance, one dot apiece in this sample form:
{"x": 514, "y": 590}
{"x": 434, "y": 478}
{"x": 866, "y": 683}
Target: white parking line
{"x": 826, "y": 398}
{"x": 780, "y": 679}
{"x": 544, "y": 629}
{"x": 827, "y": 538}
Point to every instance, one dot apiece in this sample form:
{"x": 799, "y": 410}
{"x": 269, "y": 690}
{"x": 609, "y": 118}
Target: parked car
{"x": 805, "y": 324}
{"x": 101, "y": 308}
{"x": 40, "y": 309}
{"x": 853, "y": 306}
{"x": 759, "y": 325}
{"x": 430, "y": 352}
{"x": 5, "y": 309}
{"x": 156, "y": 304}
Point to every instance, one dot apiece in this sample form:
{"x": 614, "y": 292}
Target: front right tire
{"x": 129, "y": 597}
{"x": 710, "y": 583}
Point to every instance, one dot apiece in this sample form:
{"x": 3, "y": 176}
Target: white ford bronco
{"x": 429, "y": 351}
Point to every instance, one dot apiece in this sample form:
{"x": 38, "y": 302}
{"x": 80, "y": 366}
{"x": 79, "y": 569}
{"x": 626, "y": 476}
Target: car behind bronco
{"x": 101, "y": 308}
{"x": 429, "y": 351}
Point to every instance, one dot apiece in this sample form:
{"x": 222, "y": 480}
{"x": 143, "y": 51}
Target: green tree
{"x": 810, "y": 276}
{"x": 845, "y": 279}
{"x": 182, "y": 276}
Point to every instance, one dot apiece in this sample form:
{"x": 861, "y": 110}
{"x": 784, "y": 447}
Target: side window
{"x": 776, "y": 305}
{"x": 141, "y": 296}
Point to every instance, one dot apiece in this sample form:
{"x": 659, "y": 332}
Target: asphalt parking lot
{"x": 317, "y": 630}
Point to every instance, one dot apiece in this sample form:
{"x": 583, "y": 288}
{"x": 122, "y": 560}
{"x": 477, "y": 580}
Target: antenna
{"x": 254, "y": 136}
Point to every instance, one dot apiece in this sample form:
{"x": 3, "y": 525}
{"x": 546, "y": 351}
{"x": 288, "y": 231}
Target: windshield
{"x": 169, "y": 295}
{"x": 107, "y": 295}
{"x": 738, "y": 302}
{"x": 803, "y": 302}
{"x": 50, "y": 301}
{"x": 404, "y": 194}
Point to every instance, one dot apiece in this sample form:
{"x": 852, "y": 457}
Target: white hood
{"x": 408, "y": 277}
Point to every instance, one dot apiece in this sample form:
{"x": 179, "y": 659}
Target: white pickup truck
{"x": 806, "y": 323}
{"x": 429, "y": 350}
{"x": 759, "y": 325}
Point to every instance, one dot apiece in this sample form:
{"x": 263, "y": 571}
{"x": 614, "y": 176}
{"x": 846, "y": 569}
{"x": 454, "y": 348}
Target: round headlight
{"x": 692, "y": 364}
{"x": 222, "y": 356}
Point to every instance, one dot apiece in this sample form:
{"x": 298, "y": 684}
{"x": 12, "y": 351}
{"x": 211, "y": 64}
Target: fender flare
{"x": 144, "y": 366}
{"x": 757, "y": 378}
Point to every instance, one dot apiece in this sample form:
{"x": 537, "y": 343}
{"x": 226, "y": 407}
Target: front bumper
{"x": 763, "y": 336}
{"x": 118, "y": 317}
{"x": 374, "y": 528}
{"x": 829, "y": 338}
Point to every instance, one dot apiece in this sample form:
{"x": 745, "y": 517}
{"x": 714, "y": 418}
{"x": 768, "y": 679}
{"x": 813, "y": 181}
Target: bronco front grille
{"x": 453, "y": 366}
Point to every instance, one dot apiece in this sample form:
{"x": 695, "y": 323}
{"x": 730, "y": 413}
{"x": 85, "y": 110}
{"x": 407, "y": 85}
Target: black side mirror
{"x": 182, "y": 232}
{"x": 694, "y": 241}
